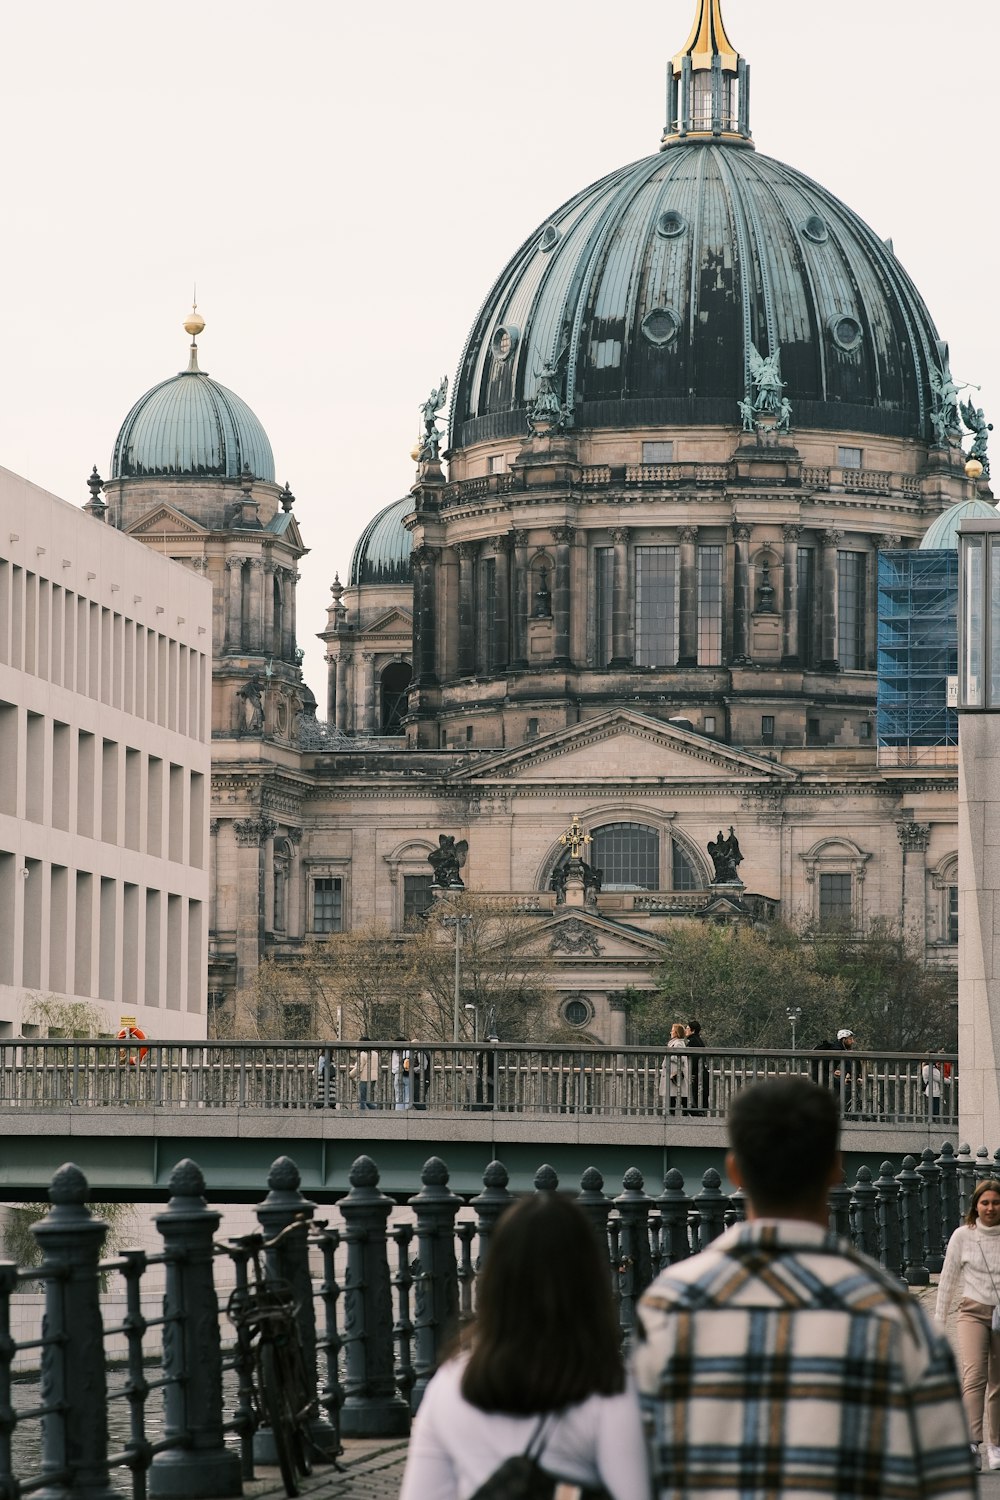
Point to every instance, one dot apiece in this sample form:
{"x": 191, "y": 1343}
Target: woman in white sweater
{"x": 971, "y": 1273}
{"x": 542, "y": 1369}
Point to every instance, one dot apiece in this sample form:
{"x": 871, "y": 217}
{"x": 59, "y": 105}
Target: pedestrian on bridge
{"x": 782, "y": 1362}
{"x": 539, "y": 1374}
{"x": 364, "y": 1069}
{"x": 400, "y": 1067}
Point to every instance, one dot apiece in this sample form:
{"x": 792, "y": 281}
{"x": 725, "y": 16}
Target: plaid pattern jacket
{"x": 781, "y": 1362}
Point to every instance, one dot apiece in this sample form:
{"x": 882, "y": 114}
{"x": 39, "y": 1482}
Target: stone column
{"x": 563, "y": 538}
{"x": 621, "y": 634}
{"x": 366, "y": 718}
{"x": 467, "y": 553}
{"x": 741, "y": 590}
{"x": 256, "y": 603}
{"x": 501, "y": 626}
{"x": 688, "y": 645}
{"x": 520, "y": 631}
{"x": 252, "y": 836}
{"x": 426, "y": 559}
{"x": 830, "y": 606}
{"x": 234, "y": 602}
{"x": 790, "y": 597}
{"x": 289, "y": 626}
{"x": 341, "y": 691}
{"x": 271, "y": 647}
{"x": 914, "y": 839}
{"x": 618, "y": 1006}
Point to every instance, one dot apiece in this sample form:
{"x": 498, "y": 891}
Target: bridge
{"x": 127, "y": 1114}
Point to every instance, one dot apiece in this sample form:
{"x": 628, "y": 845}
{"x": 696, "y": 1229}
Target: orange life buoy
{"x": 125, "y": 1054}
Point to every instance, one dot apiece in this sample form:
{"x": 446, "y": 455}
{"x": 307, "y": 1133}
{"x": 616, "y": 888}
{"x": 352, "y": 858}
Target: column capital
{"x": 791, "y": 533}
{"x": 424, "y": 554}
{"x": 889, "y": 542}
{"x": 913, "y": 837}
{"x": 620, "y": 535}
{"x": 831, "y": 538}
{"x": 688, "y": 534}
{"x": 466, "y": 550}
{"x": 563, "y": 535}
{"x": 251, "y": 831}
{"x": 742, "y": 531}
{"x": 520, "y": 538}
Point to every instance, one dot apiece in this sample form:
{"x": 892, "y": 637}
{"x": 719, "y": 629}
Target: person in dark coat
{"x": 699, "y": 1071}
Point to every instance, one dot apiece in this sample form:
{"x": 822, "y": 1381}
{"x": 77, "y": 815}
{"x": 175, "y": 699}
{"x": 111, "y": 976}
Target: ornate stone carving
{"x": 574, "y": 936}
{"x": 791, "y": 533}
{"x": 520, "y": 538}
{"x": 619, "y": 535}
{"x": 726, "y": 855}
{"x": 254, "y": 831}
{"x": 688, "y": 534}
{"x": 564, "y": 535}
{"x": 742, "y": 531}
{"x": 831, "y": 538}
{"x": 467, "y": 549}
{"x": 913, "y": 837}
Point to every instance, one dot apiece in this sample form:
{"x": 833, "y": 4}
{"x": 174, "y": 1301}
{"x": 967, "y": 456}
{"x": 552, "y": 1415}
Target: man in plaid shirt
{"x": 782, "y": 1362}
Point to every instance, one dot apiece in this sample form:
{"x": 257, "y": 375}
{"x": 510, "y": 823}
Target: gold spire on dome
{"x": 708, "y": 39}
{"x": 708, "y": 86}
{"x": 194, "y": 323}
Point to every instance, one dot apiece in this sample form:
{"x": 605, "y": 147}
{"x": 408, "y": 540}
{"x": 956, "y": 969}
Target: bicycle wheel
{"x": 287, "y": 1439}
{"x": 292, "y": 1374}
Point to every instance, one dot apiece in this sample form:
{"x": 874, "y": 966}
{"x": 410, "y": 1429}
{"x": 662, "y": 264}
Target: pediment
{"x": 393, "y": 622}
{"x": 626, "y": 747}
{"x": 577, "y": 933}
{"x": 165, "y": 521}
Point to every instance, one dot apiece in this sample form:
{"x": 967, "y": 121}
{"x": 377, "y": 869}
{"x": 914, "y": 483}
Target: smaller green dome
{"x": 382, "y": 554}
{"x": 942, "y": 533}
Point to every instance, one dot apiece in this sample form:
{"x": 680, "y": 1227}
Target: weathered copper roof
{"x": 382, "y": 553}
{"x": 942, "y": 533}
{"x": 647, "y": 289}
{"x": 191, "y": 425}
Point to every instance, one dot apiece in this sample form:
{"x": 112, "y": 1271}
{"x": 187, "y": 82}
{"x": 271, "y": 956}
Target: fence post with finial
{"x": 710, "y": 1205}
{"x": 910, "y": 1224}
{"x": 435, "y": 1299}
{"x": 199, "y": 1465}
{"x": 675, "y": 1208}
{"x": 489, "y": 1205}
{"x": 887, "y": 1209}
{"x": 371, "y": 1406}
{"x": 950, "y": 1215}
{"x": 930, "y": 1210}
{"x": 74, "y": 1385}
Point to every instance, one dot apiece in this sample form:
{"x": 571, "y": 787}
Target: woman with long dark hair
{"x": 971, "y": 1272}
{"x": 540, "y": 1369}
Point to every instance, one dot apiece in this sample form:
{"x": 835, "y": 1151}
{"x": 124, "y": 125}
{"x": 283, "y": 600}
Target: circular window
{"x": 661, "y": 325}
{"x": 550, "y": 237}
{"x": 845, "y": 331}
{"x": 815, "y": 229}
{"x": 577, "y": 1011}
{"x": 504, "y": 342}
{"x": 670, "y": 224}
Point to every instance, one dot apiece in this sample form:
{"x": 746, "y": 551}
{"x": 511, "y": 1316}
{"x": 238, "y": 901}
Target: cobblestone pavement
{"x": 371, "y": 1469}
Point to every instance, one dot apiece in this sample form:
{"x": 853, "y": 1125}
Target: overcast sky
{"x": 344, "y": 182}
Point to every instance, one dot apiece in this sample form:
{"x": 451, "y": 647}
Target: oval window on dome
{"x": 815, "y": 229}
{"x": 845, "y": 331}
{"x": 670, "y": 224}
{"x": 661, "y": 326}
{"x": 504, "y": 342}
{"x": 550, "y": 237}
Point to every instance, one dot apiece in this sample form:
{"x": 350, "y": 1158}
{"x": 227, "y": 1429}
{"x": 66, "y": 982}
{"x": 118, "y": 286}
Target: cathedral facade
{"x": 633, "y": 585}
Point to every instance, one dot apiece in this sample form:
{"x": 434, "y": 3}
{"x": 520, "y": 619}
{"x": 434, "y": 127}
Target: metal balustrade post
{"x": 710, "y": 1206}
{"x": 950, "y": 1216}
{"x": 839, "y": 1202}
{"x": 328, "y": 1344}
{"x": 489, "y": 1205}
{"x": 675, "y": 1208}
{"x": 288, "y": 1261}
{"x": 864, "y": 1227}
{"x": 930, "y": 1210}
{"x": 984, "y": 1167}
{"x": 73, "y": 1379}
{"x": 596, "y": 1206}
{"x": 910, "y": 1224}
{"x": 966, "y": 1173}
{"x": 402, "y": 1328}
{"x": 546, "y": 1179}
{"x": 435, "y": 1301}
{"x": 8, "y": 1285}
{"x": 634, "y": 1268}
{"x": 200, "y": 1465}
{"x": 371, "y": 1406}
{"x": 465, "y": 1233}
{"x": 887, "y": 1210}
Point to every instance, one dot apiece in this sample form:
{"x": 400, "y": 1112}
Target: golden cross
{"x": 575, "y": 838}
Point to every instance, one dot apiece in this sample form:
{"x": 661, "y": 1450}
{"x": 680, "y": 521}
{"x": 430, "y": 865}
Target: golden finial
{"x": 194, "y": 324}
{"x": 574, "y": 838}
{"x": 708, "y": 39}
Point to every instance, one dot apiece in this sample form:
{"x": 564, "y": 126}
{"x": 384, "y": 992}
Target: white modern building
{"x": 105, "y": 667}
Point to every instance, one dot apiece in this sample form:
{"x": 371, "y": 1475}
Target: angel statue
{"x": 784, "y": 421}
{"x": 944, "y": 418}
{"x": 766, "y": 376}
{"x": 726, "y": 856}
{"x": 977, "y": 424}
{"x": 446, "y": 861}
{"x": 746, "y": 412}
{"x": 431, "y": 438}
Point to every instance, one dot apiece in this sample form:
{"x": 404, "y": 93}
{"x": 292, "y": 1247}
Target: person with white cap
{"x": 842, "y": 1077}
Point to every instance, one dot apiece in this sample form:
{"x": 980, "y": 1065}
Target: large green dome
{"x": 191, "y": 425}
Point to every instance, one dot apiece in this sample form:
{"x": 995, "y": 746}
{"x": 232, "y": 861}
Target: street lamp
{"x": 794, "y": 1014}
{"x": 475, "y": 1021}
{"x": 458, "y": 921}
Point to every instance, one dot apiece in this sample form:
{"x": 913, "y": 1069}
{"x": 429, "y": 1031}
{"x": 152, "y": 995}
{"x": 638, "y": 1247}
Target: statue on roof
{"x": 977, "y": 424}
{"x": 546, "y": 413}
{"x": 447, "y": 860}
{"x": 430, "y": 440}
{"x": 765, "y": 373}
{"x": 944, "y": 416}
{"x": 726, "y": 856}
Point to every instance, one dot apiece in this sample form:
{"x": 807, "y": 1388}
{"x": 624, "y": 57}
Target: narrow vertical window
{"x": 709, "y": 606}
{"x": 656, "y": 606}
{"x": 835, "y": 908}
{"x": 851, "y": 578}
{"x": 328, "y": 904}
{"x": 807, "y": 596}
{"x": 604, "y": 564}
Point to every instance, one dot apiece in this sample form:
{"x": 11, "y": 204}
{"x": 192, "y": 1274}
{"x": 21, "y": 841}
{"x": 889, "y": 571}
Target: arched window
{"x": 684, "y": 876}
{"x": 628, "y": 856}
{"x": 393, "y": 684}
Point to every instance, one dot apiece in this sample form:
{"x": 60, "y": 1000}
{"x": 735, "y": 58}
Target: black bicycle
{"x": 265, "y": 1315}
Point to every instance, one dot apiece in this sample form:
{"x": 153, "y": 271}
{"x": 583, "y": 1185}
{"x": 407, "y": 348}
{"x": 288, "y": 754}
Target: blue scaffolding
{"x": 917, "y": 649}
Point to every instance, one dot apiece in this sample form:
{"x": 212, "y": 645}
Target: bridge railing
{"x": 878, "y": 1087}
{"x": 379, "y": 1294}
